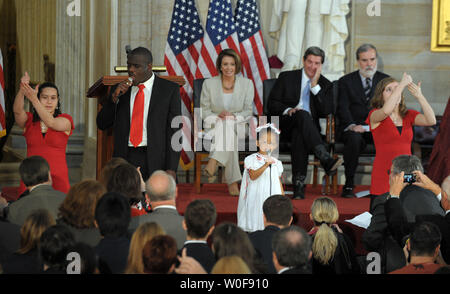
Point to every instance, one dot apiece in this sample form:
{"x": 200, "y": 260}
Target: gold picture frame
{"x": 440, "y": 30}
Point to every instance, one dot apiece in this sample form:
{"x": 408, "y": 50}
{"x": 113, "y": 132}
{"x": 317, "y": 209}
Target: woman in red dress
{"x": 391, "y": 124}
{"x": 46, "y": 129}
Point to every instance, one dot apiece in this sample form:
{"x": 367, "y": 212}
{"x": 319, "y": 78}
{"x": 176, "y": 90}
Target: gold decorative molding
{"x": 440, "y": 30}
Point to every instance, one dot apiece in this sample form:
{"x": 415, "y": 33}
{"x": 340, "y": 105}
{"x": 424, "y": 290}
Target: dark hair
{"x": 200, "y": 216}
{"x": 34, "y": 170}
{"x": 31, "y": 231}
{"x": 316, "y": 51}
{"x": 231, "y": 53}
{"x": 406, "y": 163}
{"x": 278, "y": 209}
{"x": 292, "y": 246}
{"x": 125, "y": 179}
{"x": 424, "y": 239}
{"x": 89, "y": 260}
{"x": 141, "y": 51}
{"x": 228, "y": 239}
{"x": 377, "y": 101}
{"x": 58, "y": 107}
{"x": 364, "y": 48}
{"x": 113, "y": 215}
{"x": 108, "y": 169}
{"x": 159, "y": 254}
{"x": 55, "y": 243}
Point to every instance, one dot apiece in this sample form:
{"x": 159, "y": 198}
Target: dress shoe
{"x": 329, "y": 164}
{"x": 347, "y": 192}
{"x": 299, "y": 187}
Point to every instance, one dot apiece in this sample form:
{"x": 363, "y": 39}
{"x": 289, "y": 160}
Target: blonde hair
{"x": 324, "y": 213}
{"x": 143, "y": 234}
{"x": 33, "y": 227}
{"x": 231, "y": 265}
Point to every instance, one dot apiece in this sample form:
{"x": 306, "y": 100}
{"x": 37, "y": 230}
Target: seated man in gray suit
{"x": 35, "y": 174}
{"x": 162, "y": 191}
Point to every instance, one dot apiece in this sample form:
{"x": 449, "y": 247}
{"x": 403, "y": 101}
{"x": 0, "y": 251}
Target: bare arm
{"x": 20, "y": 114}
{"x": 428, "y": 117}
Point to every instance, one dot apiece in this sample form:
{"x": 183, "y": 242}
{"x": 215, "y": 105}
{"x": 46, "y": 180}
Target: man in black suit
{"x": 143, "y": 134}
{"x": 199, "y": 222}
{"x": 355, "y": 92}
{"x": 292, "y": 251}
{"x": 299, "y": 98}
{"x": 277, "y": 214}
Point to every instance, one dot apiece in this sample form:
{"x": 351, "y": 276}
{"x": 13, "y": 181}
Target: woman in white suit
{"x": 226, "y": 105}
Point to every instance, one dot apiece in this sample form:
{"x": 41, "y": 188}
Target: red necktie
{"x": 137, "y": 118}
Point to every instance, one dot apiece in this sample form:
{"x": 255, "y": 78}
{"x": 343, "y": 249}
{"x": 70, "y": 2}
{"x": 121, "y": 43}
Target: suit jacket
{"x": 113, "y": 254}
{"x": 212, "y": 104}
{"x": 286, "y": 93}
{"x": 41, "y": 197}
{"x": 169, "y": 219}
{"x": 262, "y": 241}
{"x": 164, "y": 106}
{"x": 418, "y": 201}
{"x": 353, "y": 107}
{"x": 297, "y": 271}
{"x": 9, "y": 238}
{"x": 202, "y": 253}
{"x": 89, "y": 236}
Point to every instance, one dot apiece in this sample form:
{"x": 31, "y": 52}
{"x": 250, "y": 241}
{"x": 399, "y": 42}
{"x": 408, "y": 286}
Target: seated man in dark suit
{"x": 162, "y": 191}
{"x": 35, "y": 174}
{"x": 277, "y": 214}
{"x": 292, "y": 251}
{"x": 355, "y": 92}
{"x": 300, "y": 98}
{"x": 199, "y": 222}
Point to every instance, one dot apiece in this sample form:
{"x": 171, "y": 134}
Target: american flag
{"x": 252, "y": 50}
{"x": 182, "y": 55}
{"x": 2, "y": 99}
{"x": 220, "y": 34}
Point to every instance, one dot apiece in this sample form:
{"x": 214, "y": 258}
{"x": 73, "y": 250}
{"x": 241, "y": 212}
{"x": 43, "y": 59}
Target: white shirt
{"x": 284, "y": 269}
{"x": 147, "y": 94}
{"x": 227, "y": 98}
{"x": 165, "y": 206}
{"x": 315, "y": 90}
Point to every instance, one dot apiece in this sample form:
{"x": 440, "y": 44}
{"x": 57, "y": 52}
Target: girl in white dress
{"x": 261, "y": 179}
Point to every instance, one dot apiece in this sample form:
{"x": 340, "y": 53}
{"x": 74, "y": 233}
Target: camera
{"x": 409, "y": 178}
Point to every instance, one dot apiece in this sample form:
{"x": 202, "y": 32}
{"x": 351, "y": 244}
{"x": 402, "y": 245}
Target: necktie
{"x": 368, "y": 88}
{"x": 305, "y": 96}
{"x": 137, "y": 118}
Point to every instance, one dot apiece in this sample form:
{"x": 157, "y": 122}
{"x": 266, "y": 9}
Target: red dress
{"x": 52, "y": 147}
{"x": 389, "y": 143}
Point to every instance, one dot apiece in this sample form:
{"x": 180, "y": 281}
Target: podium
{"x": 101, "y": 91}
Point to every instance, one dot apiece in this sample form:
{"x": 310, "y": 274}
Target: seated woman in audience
{"x": 54, "y": 246}
{"x": 108, "y": 169}
{"x": 77, "y": 211}
{"x": 26, "y": 260}
{"x": 391, "y": 124}
{"x": 160, "y": 255}
{"x": 231, "y": 265}
{"x": 333, "y": 251}
{"x": 144, "y": 233}
{"x": 46, "y": 129}
{"x": 228, "y": 239}
{"x": 226, "y": 103}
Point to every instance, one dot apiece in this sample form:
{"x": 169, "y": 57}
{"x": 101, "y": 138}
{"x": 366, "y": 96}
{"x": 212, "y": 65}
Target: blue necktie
{"x": 305, "y": 96}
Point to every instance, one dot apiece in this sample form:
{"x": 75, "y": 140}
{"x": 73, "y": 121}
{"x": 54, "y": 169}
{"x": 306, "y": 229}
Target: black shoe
{"x": 329, "y": 164}
{"x": 347, "y": 192}
{"x": 299, "y": 187}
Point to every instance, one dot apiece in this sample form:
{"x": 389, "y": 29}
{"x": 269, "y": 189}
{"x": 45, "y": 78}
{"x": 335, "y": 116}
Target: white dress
{"x": 254, "y": 193}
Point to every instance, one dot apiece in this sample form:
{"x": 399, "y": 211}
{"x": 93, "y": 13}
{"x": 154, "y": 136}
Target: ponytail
{"x": 325, "y": 244}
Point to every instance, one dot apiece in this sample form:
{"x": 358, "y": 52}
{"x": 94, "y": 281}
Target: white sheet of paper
{"x": 362, "y": 220}
{"x": 366, "y": 128}
{"x": 362, "y": 194}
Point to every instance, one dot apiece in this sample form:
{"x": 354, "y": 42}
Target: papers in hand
{"x": 362, "y": 220}
{"x": 362, "y": 193}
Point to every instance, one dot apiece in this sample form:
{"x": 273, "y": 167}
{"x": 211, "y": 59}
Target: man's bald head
{"x": 161, "y": 187}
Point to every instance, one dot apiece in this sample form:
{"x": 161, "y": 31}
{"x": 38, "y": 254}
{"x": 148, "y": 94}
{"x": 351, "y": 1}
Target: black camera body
{"x": 409, "y": 178}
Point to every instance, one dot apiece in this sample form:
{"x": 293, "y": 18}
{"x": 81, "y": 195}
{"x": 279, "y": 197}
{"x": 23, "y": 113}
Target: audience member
{"x": 162, "y": 191}
{"x": 54, "y": 246}
{"x": 26, "y": 260}
{"x": 141, "y": 236}
{"x": 108, "y": 169}
{"x": 9, "y": 235}
{"x": 112, "y": 216}
{"x": 277, "y": 214}
{"x": 188, "y": 265}
{"x": 35, "y": 173}
{"x": 88, "y": 259}
{"x": 333, "y": 251}
{"x": 77, "y": 211}
{"x": 231, "y": 265}
{"x": 291, "y": 251}
{"x": 423, "y": 249}
{"x": 199, "y": 219}
{"x": 160, "y": 255}
{"x": 228, "y": 239}
{"x": 125, "y": 179}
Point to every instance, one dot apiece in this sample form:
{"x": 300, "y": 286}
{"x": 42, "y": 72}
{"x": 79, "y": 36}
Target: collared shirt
{"x": 314, "y": 90}
{"x": 283, "y": 270}
{"x": 195, "y": 242}
{"x": 165, "y": 206}
{"x": 147, "y": 94}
